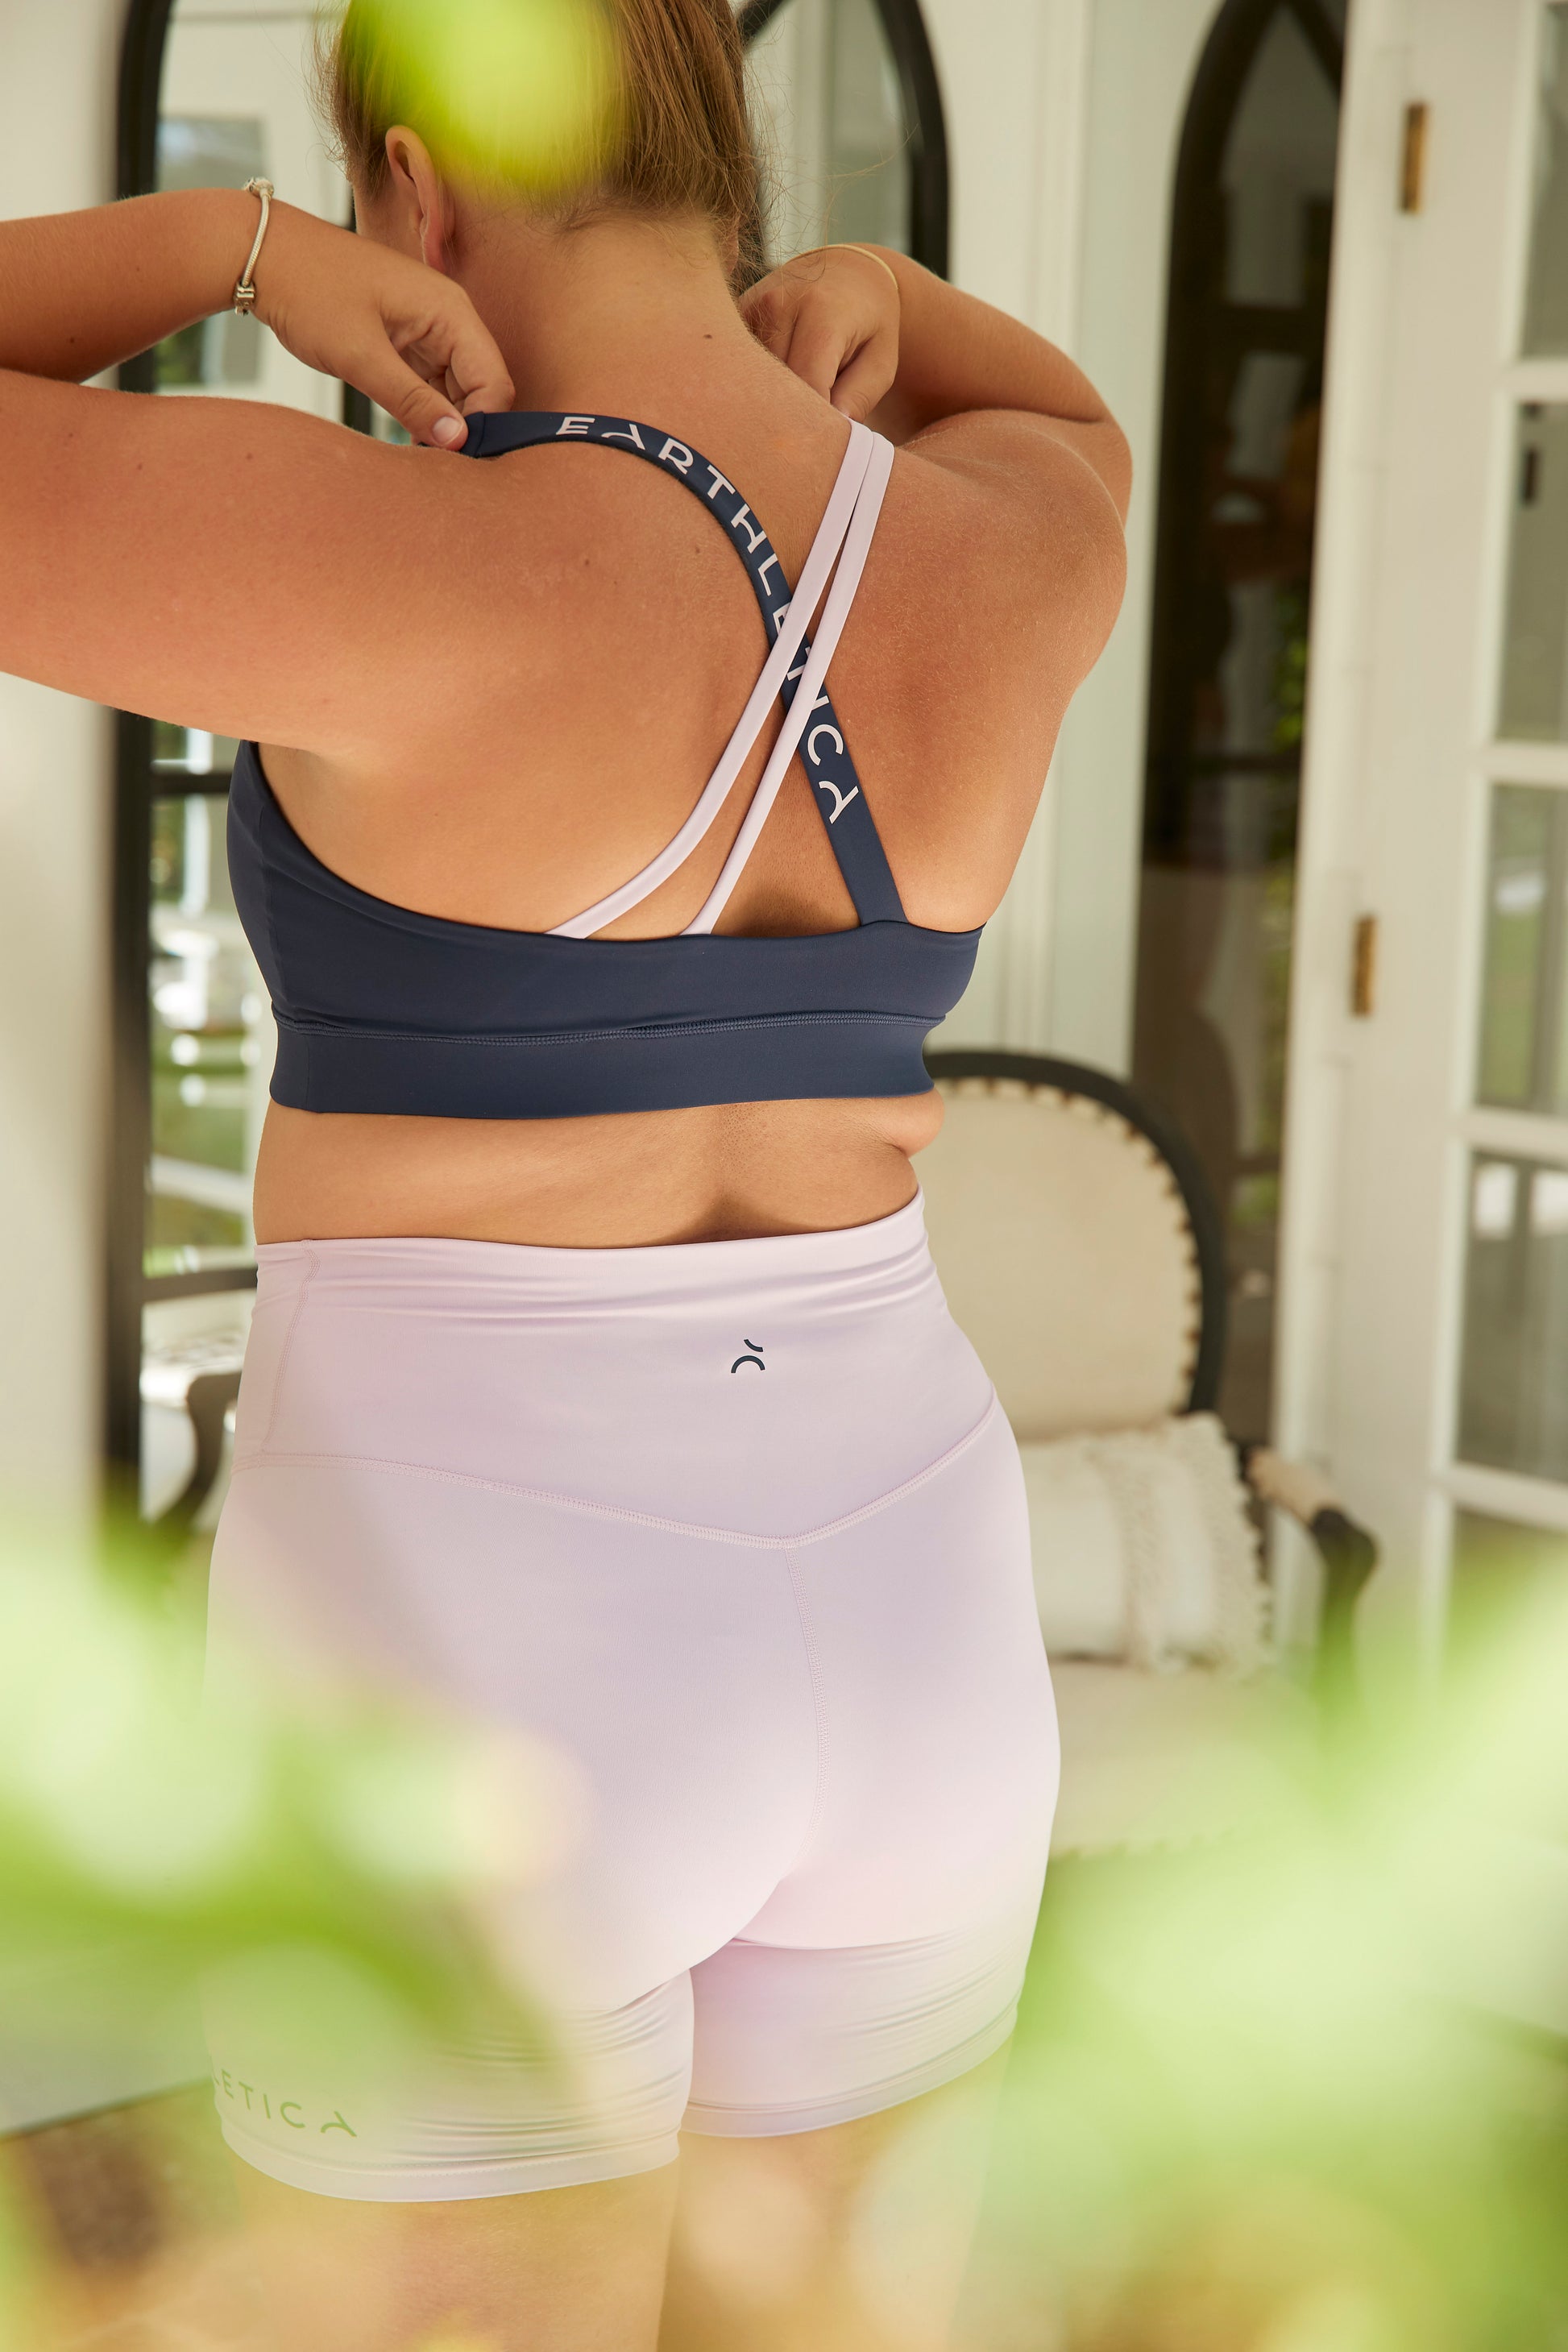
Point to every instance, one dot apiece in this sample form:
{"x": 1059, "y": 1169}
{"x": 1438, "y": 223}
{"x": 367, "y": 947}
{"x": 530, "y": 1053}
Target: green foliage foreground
{"x": 1260, "y": 2097}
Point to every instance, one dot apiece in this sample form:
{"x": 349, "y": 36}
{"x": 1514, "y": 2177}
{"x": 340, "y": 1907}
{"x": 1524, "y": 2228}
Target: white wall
{"x": 1063, "y": 119}
{"x": 56, "y": 151}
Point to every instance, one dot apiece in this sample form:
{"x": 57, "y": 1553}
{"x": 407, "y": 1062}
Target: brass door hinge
{"x": 1412, "y": 158}
{"x": 1363, "y": 966}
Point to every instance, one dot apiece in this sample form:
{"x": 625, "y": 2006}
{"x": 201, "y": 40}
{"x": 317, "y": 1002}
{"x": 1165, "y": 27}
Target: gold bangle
{"x": 877, "y": 258}
{"x": 244, "y": 284}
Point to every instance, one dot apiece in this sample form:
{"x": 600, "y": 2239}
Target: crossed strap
{"x": 795, "y": 670}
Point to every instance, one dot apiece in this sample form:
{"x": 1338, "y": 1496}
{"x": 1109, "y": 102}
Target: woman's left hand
{"x": 832, "y": 317}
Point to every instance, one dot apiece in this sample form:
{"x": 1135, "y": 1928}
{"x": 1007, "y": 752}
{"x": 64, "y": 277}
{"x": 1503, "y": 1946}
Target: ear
{"x": 424, "y": 201}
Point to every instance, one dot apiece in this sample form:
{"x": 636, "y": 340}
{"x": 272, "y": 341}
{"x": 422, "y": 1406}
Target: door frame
{"x": 1405, "y": 633}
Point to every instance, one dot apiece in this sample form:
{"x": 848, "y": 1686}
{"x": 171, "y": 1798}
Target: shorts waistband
{"x": 536, "y": 1273}
{"x": 760, "y": 1386}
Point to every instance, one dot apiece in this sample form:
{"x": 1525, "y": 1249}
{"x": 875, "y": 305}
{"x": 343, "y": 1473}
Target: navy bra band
{"x": 382, "y": 1010}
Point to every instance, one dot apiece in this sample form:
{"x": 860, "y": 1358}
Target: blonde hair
{"x": 683, "y": 139}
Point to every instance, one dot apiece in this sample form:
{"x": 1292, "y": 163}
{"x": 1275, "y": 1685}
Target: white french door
{"x": 1426, "y": 1286}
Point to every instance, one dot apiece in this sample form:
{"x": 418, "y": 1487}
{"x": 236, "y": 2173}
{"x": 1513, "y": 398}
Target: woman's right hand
{"x": 390, "y": 326}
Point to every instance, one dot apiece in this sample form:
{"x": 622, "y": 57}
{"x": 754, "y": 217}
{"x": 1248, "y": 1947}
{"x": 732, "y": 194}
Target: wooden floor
{"x": 133, "y": 2217}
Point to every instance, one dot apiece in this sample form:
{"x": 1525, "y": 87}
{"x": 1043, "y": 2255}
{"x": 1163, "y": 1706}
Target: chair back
{"x": 1078, "y": 1241}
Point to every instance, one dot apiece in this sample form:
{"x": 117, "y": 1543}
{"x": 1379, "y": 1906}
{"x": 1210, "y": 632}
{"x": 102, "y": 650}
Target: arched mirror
{"x": 213, "y": 93}
{"x": 1243, "y": 373}
{"x": 849, "y": 121}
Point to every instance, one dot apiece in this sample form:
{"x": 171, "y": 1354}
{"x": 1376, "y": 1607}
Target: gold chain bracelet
{"x": 244, "y": 284}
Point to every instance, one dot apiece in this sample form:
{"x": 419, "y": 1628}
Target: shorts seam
{"x": 819, "y": 1712}
{"x": 442, "y": 2183}
{"x": 713, "y": 2120}
{"x": 265, "y": 1459}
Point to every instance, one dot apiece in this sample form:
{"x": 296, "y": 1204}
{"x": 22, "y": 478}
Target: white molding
{"x": 1537, "y": 380}
{"x": 1330, "y": 889}
{"x": 1515, "y": 1134}
{"x": 1506, "y": 1495}
{"x": 1057, "y": 272}
{"x": 1410, "y": 557}
{"x": 1525, "y": 763}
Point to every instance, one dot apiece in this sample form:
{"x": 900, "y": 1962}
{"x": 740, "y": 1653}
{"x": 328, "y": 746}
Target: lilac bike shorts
{"x": 737, "y": 1527}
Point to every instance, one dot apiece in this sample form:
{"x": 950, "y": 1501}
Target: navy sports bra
{"x": 380, "y": 1009}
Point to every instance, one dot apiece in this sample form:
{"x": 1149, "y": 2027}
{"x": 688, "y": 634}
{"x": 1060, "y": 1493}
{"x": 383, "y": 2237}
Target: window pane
{"x": 1534, "y": 697}
{"x": 211, "y": 1047}
{"x": 1513, "y": 1405}
{"x": 1522, "y": 1027}
{"x": 1546, "y": 291}
{"x": 834, "y": 141}
{"x": 1497, "y": 1569}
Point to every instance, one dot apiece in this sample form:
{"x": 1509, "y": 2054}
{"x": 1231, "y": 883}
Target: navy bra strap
{"x": 839, "y": 795}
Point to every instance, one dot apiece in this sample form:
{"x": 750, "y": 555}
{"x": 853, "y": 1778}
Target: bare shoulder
{"x": 1040, "y": 501}
{"x": 1003, "y": 573}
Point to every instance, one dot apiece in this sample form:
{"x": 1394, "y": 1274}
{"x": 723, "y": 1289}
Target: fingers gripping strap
{"x": 840, "y": 597}
{"x": 796, "y": 616}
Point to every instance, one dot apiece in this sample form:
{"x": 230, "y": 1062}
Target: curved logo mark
{"x": 755, "y": 1359}
{"x": 841, "y": 799}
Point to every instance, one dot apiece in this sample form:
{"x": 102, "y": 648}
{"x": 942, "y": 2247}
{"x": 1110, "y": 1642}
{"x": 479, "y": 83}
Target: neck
{"x": 617, "y": 313}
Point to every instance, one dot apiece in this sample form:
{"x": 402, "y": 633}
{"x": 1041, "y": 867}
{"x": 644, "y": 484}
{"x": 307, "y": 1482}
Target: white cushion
{"x": 1143, "y": 1549}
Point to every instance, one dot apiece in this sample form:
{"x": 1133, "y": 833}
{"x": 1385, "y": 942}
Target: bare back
{"x": 492, "y": 692}
{"x": 523, "y": 779}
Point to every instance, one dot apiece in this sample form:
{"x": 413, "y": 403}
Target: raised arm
{"x": 1024, "y": 497}
{"x": 152, "y": 546}
{"x": 81, "y": 292}
{"x": 885, "y": 339}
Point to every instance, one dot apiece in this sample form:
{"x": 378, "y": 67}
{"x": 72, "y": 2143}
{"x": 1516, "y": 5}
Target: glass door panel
{"x": 1533, "y": 691}
{"x": 1546, "y": 293}
{"x": 1523, "y": 1045}
{"x": 1513, "y": 1402}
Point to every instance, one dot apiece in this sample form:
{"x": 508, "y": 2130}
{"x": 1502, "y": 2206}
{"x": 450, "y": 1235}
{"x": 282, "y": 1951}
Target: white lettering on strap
{"x": 631, "y": 434}
{"x": 840, "y": 800}
{"x": 682, "y": 464}
{"x": 719, "y": 481}
{"x": 574, "y": 425}
{"x": 764, "y": 570}
{"x": 739, "y": 520}
{"x": 838, "y": 522}
{"x": 835, "y": 613}
{"x": 812, "y": 753}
